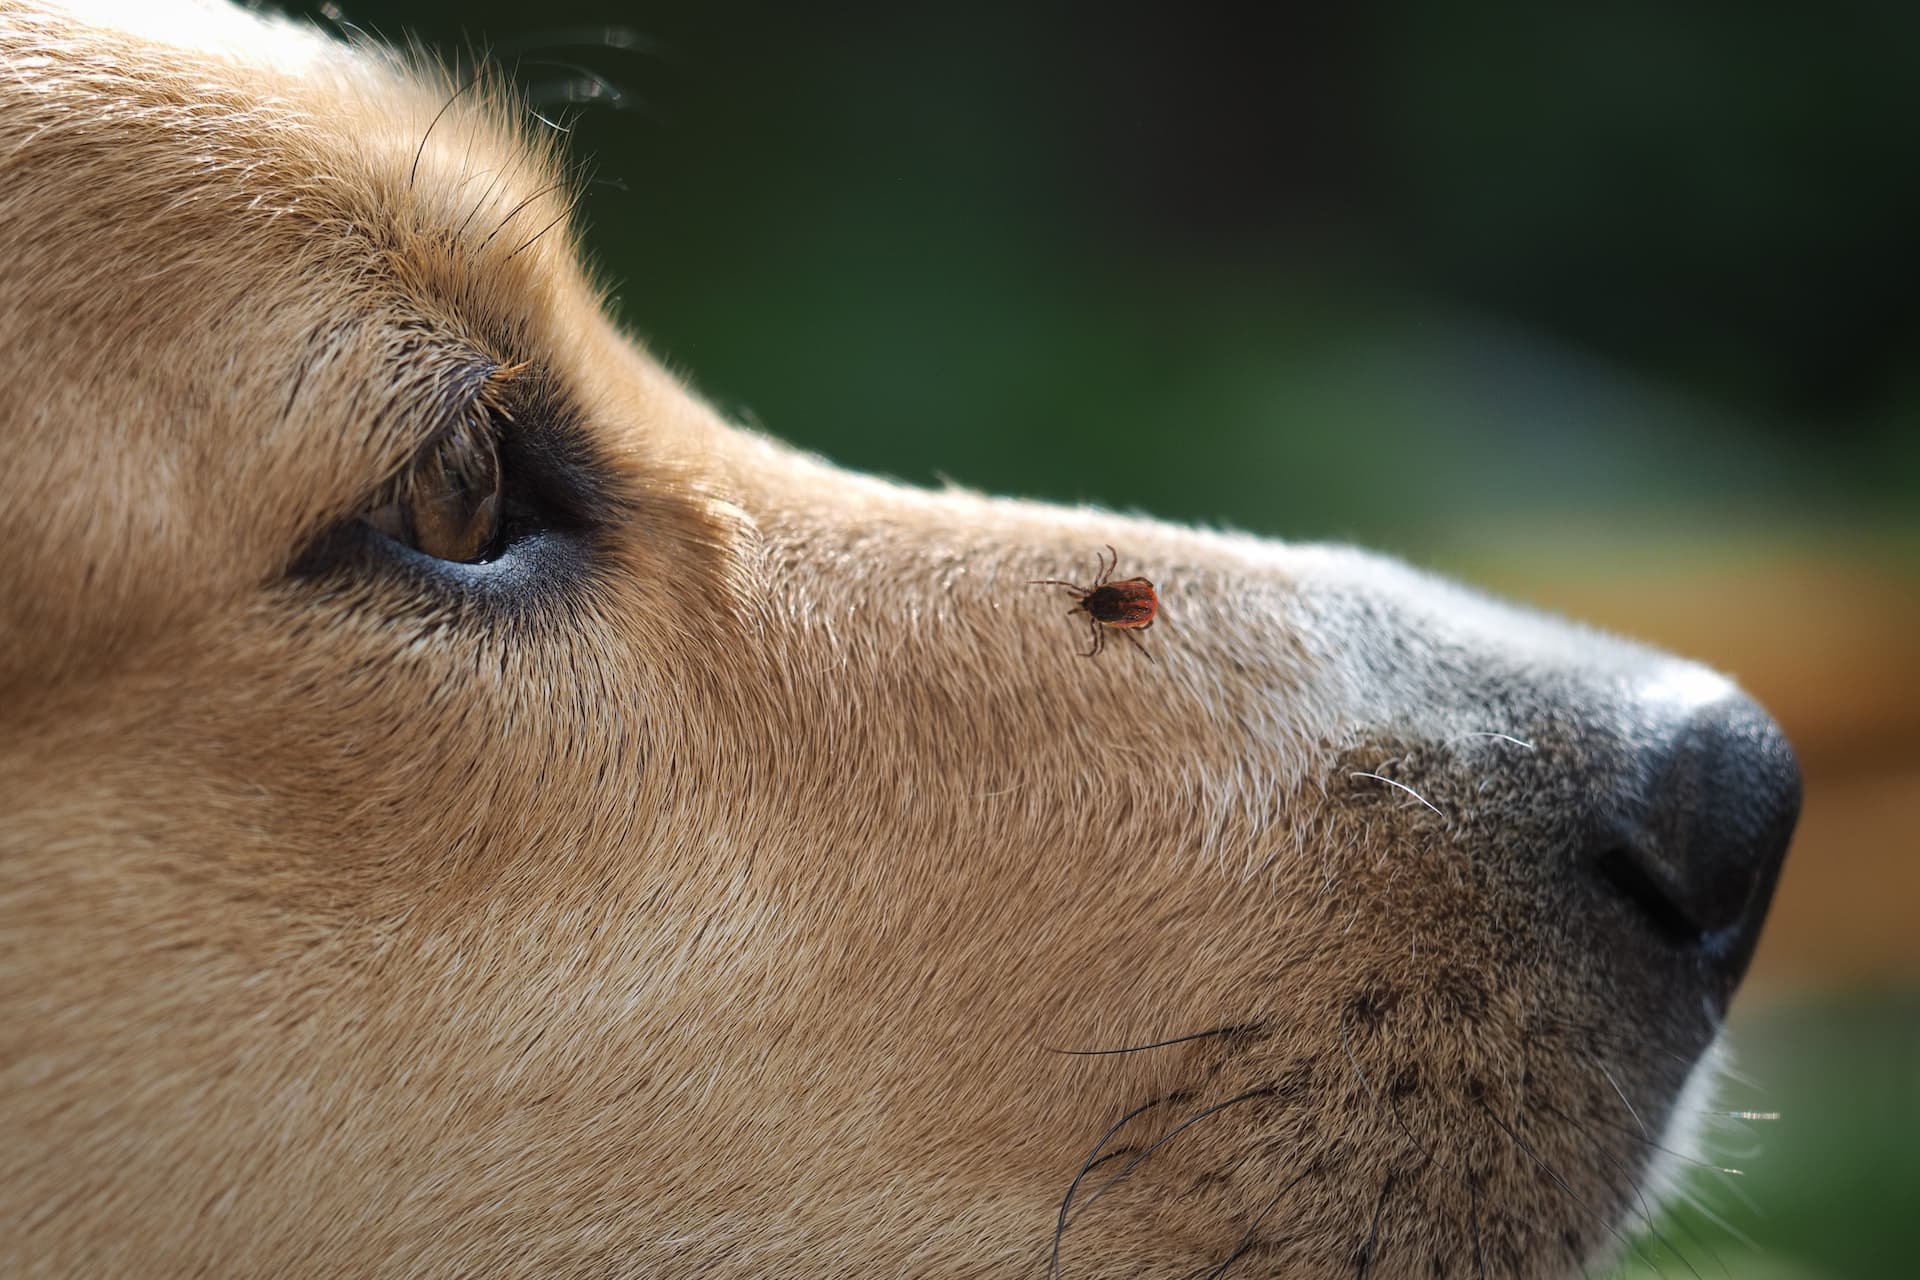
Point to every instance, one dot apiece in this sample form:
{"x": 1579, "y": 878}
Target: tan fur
{"x": 723, "y": 914}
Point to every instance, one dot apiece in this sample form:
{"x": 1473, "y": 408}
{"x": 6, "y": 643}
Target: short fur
{"x": 736, "y": 897}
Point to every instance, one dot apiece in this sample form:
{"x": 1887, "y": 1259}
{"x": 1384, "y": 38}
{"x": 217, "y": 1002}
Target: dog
{"x": 468, "y": 809}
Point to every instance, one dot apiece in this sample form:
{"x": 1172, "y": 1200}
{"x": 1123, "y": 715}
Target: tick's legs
{"x": 1141, "y": 647}
{"x": 1099, "y": 637}
{"x": 1106, "y": 566}
{"x": 1079, "y": 592}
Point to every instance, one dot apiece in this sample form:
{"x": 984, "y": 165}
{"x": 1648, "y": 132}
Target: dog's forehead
{"x": 275, "y": 132}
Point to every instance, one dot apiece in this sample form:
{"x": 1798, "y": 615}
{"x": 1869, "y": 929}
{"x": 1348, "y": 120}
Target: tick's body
{"x": 1128, "y": 605}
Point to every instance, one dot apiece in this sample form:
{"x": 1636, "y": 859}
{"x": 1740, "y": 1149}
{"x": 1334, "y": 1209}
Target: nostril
{"x": 1631, "y": 876}
{"x": 1715, "y": 809}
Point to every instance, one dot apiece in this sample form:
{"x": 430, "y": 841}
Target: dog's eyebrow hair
{"x": 424, "y": 393}
{"x": 467, "y": 389}
{"x": 414, "y": 171}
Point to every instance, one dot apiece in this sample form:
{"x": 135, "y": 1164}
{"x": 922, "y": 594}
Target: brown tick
{"x": 1126, "y": 606}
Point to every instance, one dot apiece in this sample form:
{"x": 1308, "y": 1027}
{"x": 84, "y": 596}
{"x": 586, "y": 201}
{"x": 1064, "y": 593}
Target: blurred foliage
{"x": 1415, "y": 274}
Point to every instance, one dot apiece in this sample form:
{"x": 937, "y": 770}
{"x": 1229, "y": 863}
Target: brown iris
{"x": 447, "y": 504}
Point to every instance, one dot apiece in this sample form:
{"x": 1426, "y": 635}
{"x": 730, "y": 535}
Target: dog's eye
{"x": 447, "y": 503}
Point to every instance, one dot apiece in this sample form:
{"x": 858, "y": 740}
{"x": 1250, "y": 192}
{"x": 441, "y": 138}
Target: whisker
{"x": 1560, "y": 1182}
{"x": 444, "y": 108}
{"x": 1623, "y": 1099}
{"x": 481, "y": 203}
{"x": 1355, "y": 1062}
{"x": 1745, "y": 1197}
{"x": 1682, "y": 1156}
{"x": 1157, "y": 1044}
{"x": 1646, "y": 1208}
{"x": 1093, "y": 1158}
{"x": 1502, "y": 737}
{"x": 1699, "y": 1205}
{"x": 1248, "y": 1240}
{"x": 1711, "y": 1251}
{"x": 1393, "y": 1104}
{"x": 560, "y": 217}
{"x": 1402, "y": 786}
{"x": 515, "y": 212}
{"x": 1373, "y": 1232}
{"x": 1265, "y": 1091}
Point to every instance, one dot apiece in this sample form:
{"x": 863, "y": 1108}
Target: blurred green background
{"x": 1613, "y": 307}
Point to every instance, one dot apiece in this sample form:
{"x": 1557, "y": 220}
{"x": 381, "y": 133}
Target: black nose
{"x": 1697, "y": 849}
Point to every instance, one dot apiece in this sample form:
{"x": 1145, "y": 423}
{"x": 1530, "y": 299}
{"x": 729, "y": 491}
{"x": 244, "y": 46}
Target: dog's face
{"x": 469, "y": 810}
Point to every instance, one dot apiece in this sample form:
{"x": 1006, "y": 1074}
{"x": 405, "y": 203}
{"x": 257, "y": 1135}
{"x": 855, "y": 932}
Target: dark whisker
{"x": 1558, "y": 1181}
{"x": 1367, "y": 1253}
{"x": 1681, "y": 1156}
{"x": 1623, "y": 1098}
{"x": 444, "y": 108}
{"x": 1393, "y": 1104}
{"x": 1712, "y": 1252}
{"x": 1093, "y": 1158}
{"x": 1646, "y": 1208}
{"x": 1697, "y": 1203}
{"x": 515, "y": 211}
{"x": 1354, "y": 1062}
{"x": 1248, "y": 1240}
{"x": 562, "y": 216}
{"x": 480, "y": 203}
{"x": 1266, "y": 1091}
{"x": 1157, "y": 1044}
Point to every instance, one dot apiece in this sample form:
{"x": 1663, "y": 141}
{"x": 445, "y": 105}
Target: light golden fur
{"x": 722, "y": 908}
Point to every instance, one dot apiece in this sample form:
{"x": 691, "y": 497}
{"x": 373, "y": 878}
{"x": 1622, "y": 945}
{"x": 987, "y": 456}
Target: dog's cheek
{"x": 373, "y": 745}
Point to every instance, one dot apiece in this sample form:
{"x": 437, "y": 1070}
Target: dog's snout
{"x": 1716, "y": 806}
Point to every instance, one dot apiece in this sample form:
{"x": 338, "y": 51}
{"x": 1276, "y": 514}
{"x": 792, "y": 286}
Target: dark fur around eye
{"x": 553, "y": 498}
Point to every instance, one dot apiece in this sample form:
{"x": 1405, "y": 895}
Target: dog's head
{"x": 470, "y": 810}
